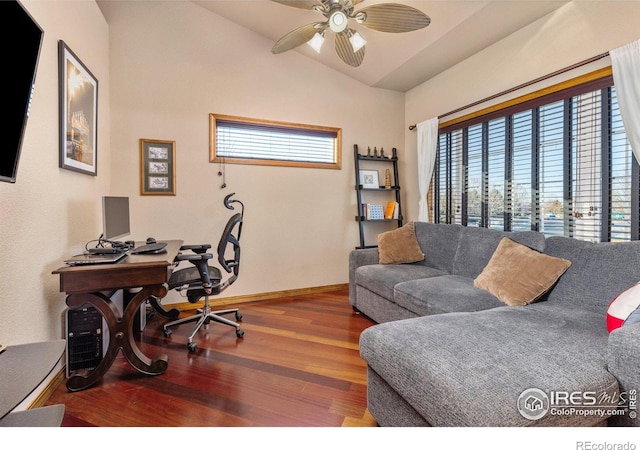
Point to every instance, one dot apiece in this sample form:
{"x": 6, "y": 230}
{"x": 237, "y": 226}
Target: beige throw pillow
{"x": 518, "y": 275}
{"x": 399, "y": 246}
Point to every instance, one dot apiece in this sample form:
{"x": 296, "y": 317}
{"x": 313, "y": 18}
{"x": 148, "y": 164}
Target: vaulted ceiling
{"x": 397, "y": 61}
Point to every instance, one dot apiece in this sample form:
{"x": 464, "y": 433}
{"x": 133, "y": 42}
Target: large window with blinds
{"x": 560, "y": 164}
{"x": 253, "y": 141}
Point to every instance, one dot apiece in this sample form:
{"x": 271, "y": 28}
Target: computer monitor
{"x": 115, "y": 216}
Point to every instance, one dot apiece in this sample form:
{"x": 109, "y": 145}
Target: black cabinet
{"x": 378, "y": 190}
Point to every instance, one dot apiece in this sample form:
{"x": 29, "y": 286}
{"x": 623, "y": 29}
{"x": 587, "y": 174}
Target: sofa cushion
{"x": 518, "y": 275}
{"x": 399, "y": 246}
{"x": 447, "y": 293}
{"x": 567, "y": 248}
{"x": 477, "y": 245}
{"x": 468, "y": 369}
{"x": 381, "y": 279}
{"x": 439, "y": 243}
{"x": 378, "y": 308}
{"x": 598, "y": 272}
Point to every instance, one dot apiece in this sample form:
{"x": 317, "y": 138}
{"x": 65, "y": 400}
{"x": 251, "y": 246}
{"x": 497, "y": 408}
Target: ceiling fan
{"x": 349, "y": 44}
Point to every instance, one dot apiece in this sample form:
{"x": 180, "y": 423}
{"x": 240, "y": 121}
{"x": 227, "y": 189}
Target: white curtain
{"x": 626, "y": 78}
{"x": 427, "y": 146}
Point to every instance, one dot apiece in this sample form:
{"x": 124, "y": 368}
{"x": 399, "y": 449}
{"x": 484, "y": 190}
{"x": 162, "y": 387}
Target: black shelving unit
{"x": 380, "y": 195}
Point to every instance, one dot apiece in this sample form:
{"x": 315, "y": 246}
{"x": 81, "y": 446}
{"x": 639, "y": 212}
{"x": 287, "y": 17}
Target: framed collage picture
{"x": 157, "y": 167}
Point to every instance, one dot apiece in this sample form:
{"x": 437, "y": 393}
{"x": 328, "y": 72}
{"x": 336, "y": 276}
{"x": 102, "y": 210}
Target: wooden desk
{"x": 88, "y": 284}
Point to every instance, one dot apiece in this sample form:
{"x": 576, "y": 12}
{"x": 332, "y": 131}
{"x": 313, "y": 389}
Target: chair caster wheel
{"x": 191, "y": 346}
{"x": 239, "y": 333}
{"x": 238, "y": 316}
{"x": 167, "y": 333}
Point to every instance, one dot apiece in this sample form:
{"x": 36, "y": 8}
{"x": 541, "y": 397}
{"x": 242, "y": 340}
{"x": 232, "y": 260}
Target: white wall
{"x": 577, "y": 31}
{"x": 50, "y": 212}
{"x": 174, "y": 63}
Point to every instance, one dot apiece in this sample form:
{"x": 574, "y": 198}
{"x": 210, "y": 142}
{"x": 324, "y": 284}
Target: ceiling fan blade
{"x": 302, "y": 4}
{"x": 345, "y": 50}
{"x": 295, "y": 38}
{"x": 392, "y": 18}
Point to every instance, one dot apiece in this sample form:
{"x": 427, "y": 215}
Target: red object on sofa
{"x": 623, "y": 306}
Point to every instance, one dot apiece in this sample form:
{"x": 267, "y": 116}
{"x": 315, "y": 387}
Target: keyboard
{"x": 158, "y": 247}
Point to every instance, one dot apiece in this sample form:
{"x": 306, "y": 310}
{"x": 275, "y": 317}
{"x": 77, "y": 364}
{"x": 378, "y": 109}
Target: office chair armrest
{"x": 191, "y": 257}
{"x": 199, "y": 249}
{"x": 201, "y": 263}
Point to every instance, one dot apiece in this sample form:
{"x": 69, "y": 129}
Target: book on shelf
{"x": 372, "y": 211}
{"x": 390, "y": 211}
{"x": 375, "y": 212}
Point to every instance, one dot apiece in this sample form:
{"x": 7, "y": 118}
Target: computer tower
{"x": 84, "y": 331}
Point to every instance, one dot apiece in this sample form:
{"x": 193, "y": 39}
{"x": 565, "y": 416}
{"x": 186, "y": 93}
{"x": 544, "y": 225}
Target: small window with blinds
{"x": 240, "y": 140}
{"x": 560, "y": 164}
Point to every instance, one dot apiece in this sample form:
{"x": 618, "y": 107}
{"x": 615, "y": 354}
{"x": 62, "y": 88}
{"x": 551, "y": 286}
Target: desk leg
{"x": 173, "y": 313}
{"x": 121, "y": 336}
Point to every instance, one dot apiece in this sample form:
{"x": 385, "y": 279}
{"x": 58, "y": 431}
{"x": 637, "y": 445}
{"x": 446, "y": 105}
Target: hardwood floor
{"x": 297, "y": 366}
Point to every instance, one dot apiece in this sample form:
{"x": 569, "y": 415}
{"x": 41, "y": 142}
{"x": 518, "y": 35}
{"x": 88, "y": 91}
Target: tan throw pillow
{"x": 399, "y": 246}
{"x": 518, "y": 275}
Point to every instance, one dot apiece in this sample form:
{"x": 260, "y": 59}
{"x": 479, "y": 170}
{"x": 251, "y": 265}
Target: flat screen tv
{"x": 22, "y": 38}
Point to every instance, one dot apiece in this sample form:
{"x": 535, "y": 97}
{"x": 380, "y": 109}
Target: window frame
{"x": 214, "y": 158}
{"x": 599, "y": 82}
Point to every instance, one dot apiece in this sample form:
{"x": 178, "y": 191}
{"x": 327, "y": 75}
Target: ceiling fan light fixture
{"x": 338, "y": 21}
{"x": 349, "y": 44}
{"x": 316, "y": 42}
{"x": 357, "y": 41}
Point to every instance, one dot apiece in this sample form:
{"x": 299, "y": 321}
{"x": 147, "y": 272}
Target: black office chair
{"x": 204, "y": 280}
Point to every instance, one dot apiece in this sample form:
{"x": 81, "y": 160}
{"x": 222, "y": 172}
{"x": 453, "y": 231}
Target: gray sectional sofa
{"x": 445, "y": 353}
